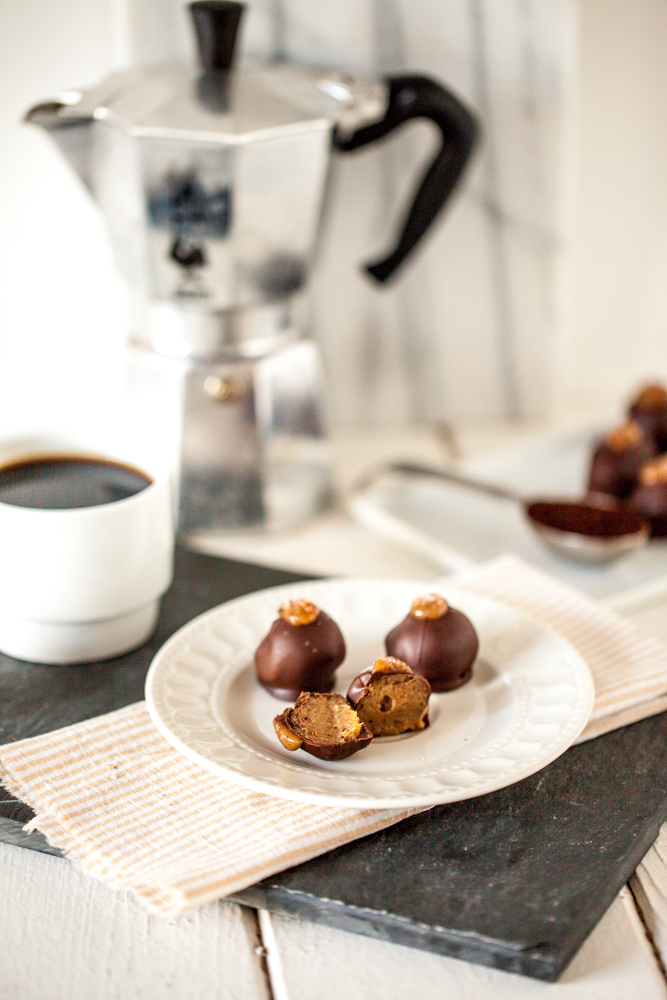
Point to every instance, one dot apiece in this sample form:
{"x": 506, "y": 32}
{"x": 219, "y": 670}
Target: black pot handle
{"x": 420, "y": 97}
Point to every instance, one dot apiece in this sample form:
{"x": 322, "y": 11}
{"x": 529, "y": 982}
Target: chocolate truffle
{"x": 324, "y": 725}
{"x": 437, "y": 641}
{"x": 617, "y": 459}
{"x": 649, "y": 497}
{"x": 649, "y": 410}
{"x": 301, "y": 651}
{"x": 389, "y": 699}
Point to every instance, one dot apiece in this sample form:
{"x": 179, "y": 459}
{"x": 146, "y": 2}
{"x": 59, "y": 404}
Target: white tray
{"x": 455, "y": 526}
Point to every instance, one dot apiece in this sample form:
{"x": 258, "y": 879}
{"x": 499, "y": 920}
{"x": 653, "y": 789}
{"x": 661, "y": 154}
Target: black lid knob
{"x": 216, "y": 23}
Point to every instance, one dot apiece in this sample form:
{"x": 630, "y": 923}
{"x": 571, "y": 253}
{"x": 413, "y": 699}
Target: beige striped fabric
{"x": 629, "y": 667}
{"x": 114, "y": 796}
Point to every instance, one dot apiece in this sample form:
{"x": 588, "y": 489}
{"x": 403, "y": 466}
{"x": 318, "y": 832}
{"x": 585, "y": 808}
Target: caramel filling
{"x": 395, "y": 703}
{"x": 326, "y": 720}
{"x": 288, "y": 739}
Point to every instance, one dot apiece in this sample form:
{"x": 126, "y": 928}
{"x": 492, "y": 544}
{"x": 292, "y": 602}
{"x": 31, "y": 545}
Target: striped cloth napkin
{"x": 114, "y": 796}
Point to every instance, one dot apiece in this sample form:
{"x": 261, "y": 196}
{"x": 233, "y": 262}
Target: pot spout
{"x": 71, "y": 129}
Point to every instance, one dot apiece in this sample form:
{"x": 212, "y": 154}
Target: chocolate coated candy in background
{"x": 295, "y": 658}
{"x": 324, "y": 725}
{"x": 649, "y": 498}
{"x": 617, "y": 459}
{"x": 442, "y": 649}
{"x": 649, "y": 410}
{"x": 650, "y": 502}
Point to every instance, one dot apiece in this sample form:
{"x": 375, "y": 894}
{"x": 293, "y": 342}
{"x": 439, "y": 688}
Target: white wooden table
{"x": 66, "y": 936}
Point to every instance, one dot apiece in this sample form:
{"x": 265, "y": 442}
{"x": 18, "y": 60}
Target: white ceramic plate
{"x": 530, "y": 696}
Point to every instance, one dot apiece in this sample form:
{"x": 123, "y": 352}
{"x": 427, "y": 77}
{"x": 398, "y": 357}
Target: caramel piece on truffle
{"x": 299, "y": 612}
{"x": 651, "y": 397}
{"x": 324, "y": 725}
{"x": 301, "y": 651}
{"x": 617, "y": 459}
{"x": 390, "y": 699}
{"x": 441, "y": 647}
{"x": 654, "y": 473}
{"x": 649, "y": 409}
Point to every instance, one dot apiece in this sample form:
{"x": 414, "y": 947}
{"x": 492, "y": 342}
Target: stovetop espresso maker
{"x": 212, "y": 185}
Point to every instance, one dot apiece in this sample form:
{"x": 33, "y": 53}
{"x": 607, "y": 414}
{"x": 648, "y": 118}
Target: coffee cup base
{"x": 61, "y": 643}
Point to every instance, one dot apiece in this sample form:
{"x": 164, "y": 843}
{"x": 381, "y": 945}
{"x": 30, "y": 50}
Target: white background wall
{"x": 545, "y": 287}
{"x": 618, "y": 330}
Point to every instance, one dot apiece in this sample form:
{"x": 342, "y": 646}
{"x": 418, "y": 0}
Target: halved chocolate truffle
{"x": 649, "y": 497}
{"x": 301, "y": 651}
{"x": 649, "y": 410}
{"x": 437, "y": 641}
{"x": 324, "y": 725}
{"x": 617, "y": 459}
{"x": 390, "y": 699}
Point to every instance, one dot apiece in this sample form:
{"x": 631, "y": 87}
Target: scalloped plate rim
{"x": 316, "y": 785}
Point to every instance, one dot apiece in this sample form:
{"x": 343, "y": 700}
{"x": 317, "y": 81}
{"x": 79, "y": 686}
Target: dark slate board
{"x": 516, "y": 879}
{"x": 36, "y": 699}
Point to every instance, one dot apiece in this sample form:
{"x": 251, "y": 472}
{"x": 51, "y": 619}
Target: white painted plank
{"x": 318, "y": 963}
{"x": 529, "y": 50}
{"x": 647, "y": 608}
{"x": 531, "y": 260}
{"x": 619, "y": 258}
{"x": 66, "y": 936}
{"x": 649, "y": 885}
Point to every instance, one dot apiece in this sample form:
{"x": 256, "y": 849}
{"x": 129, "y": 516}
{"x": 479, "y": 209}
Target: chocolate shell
{"x": 301, "y": 652}
{"x": 324, "y": 725}
{"x": 438, "y": 642}
{"x": 617, "y": 459}
{"x": 390, "y": 699}
{"x": 649, "y": 498}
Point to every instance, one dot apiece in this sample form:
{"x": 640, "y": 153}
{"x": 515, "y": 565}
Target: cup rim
{"x": 43, "y": 449}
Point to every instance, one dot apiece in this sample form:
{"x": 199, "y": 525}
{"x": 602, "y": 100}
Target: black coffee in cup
{"x": 61, "y": 482}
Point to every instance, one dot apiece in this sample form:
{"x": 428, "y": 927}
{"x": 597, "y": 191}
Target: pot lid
{"x": 214, "y": 103}
{"x": 229, "y": 106}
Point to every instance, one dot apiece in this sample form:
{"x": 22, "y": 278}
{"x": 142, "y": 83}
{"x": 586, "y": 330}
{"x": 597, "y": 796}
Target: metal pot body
{"x": 212, "y": 184}
{"x": 215, "y": 221}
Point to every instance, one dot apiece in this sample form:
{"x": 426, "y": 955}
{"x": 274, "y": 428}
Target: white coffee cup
{"x": 82, "y": 583}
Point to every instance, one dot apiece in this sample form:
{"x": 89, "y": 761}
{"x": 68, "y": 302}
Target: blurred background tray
{"x": 453, "y": 525}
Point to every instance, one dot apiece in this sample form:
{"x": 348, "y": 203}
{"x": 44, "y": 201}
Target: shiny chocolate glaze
{"x": 616, "y": 472}
{"x": 295, "y": 658}
{"x": 442, "y": 649}
{"x": 650, "y": 503}
{"x": 359, "y": 687}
